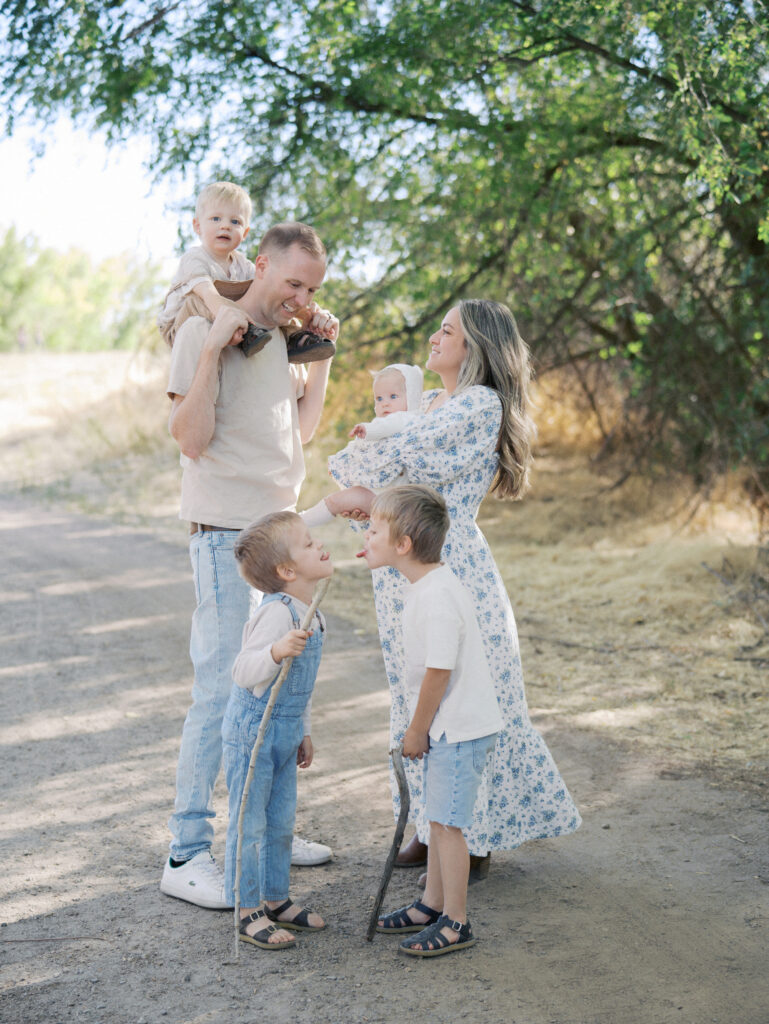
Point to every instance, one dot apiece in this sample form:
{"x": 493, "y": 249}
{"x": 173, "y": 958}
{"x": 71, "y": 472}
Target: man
{"x": 240, "y": 424}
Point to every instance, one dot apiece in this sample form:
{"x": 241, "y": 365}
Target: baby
{"x": 212, "y": 275}
{"x": 397, "y": 400}
{"x": 221, "y": 222}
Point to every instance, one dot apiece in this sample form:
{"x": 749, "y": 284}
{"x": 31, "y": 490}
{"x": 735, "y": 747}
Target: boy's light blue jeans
{"x": 217, "y": 630}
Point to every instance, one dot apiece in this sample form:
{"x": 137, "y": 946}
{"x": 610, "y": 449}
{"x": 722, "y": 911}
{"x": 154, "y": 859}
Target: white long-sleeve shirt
{"x": 254, "y": 668}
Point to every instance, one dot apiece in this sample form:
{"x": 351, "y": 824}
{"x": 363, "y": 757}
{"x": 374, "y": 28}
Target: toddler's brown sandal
{"x": 254, "y": 340}
{"x": 306, "y": 347}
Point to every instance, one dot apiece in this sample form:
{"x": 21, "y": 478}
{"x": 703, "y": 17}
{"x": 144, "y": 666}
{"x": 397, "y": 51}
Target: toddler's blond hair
{"x": 227, "y": 191}
{"x": 262, "y": 547}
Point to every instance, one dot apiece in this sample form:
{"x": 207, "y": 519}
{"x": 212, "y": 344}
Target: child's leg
{"x": 452, "y": 775}
{"x": 236, "y": 754}
{"x": 452, "y": 868}
{"x": 236, "y": 757}
{"x": 275, "y": 853}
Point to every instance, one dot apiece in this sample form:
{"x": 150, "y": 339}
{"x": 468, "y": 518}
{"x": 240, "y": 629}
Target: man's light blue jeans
{"x": 217, "y": 630}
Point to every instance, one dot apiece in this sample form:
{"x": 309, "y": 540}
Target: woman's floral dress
{"x": 453, "y": 449}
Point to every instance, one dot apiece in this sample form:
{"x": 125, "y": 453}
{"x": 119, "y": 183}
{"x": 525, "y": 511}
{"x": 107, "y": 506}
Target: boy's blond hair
{"x": 227, "y": 191}
{"x": 417, "y": 512}
{"x": 262, "y": 547}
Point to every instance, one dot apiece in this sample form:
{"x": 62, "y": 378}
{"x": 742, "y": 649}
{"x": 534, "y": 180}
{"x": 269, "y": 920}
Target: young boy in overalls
{"x": 278, "y": 556}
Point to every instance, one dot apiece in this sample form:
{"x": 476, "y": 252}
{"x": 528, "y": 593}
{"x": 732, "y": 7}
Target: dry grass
{"x": 643, "y": 616}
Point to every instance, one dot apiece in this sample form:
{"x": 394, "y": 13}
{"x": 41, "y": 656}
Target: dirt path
{"x": 654, "y": 912}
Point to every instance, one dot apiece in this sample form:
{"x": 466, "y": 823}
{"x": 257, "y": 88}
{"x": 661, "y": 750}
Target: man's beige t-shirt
{"x": 254, "y": 462}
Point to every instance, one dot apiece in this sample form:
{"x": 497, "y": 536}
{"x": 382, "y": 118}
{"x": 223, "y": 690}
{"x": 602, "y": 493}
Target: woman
{"x": 475, "y": 433}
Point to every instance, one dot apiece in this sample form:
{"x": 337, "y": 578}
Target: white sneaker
{"x": 306, "y": 855}
{"x": 199, "y": 880}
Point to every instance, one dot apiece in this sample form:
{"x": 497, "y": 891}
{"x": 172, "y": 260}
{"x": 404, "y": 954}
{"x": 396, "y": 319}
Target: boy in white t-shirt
{"x": 210, "y": 273}
{"x": 454, "y": 712}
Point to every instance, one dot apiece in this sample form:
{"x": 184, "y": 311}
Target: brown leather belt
{"x": 205, "y": 528}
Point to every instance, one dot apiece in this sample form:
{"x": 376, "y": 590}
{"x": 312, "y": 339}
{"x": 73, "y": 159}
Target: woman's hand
{"x": 352, "y": 503}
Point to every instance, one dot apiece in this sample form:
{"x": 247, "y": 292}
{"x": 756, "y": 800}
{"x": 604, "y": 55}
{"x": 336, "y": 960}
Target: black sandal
{"x": 400, "y": 922}
{"x": 261, "y": 938}
{"x": 299, "y": 924}
{"x": 306, "y": 347}
{"x": 254, "y": 340}
{"x": 439, "y": 941}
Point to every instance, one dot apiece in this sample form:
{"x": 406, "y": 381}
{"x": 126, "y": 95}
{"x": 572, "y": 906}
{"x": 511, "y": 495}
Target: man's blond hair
{"x": 417, "y": 512}
{"x": 262, "y": 547}
{"x": 226, "y": 191}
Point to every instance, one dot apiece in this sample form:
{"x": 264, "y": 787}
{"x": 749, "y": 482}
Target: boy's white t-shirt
{"x": 440, "y": 630}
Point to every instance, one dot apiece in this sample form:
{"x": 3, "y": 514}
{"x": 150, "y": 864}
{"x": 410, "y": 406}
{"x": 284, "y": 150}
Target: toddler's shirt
{"x": 254, "y": 668}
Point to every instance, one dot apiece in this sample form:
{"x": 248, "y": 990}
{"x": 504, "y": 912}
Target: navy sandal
{"x": 306, "y": 347}
{"x": 399, "y": 922}
{"x": 261, "y": 938}
{"x": 417, "y": 946}
{"x": 300, "y": 923}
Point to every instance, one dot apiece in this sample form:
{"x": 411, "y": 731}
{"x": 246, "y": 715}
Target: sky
{"x": 81, "y": 193}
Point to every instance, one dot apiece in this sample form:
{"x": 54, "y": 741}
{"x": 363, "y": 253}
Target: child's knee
{"x": 438, "y": 828}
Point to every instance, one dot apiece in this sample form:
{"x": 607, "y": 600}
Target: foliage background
{"x": 602, "y": 167}
{"x": 64, "y": 301}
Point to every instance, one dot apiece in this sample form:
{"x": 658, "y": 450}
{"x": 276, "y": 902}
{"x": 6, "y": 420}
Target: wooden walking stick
{"x": 403, "y": 789}
{"x": 318, "y": 596}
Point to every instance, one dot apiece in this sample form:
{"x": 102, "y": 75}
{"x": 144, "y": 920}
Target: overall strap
{"x": 286, "y": 600}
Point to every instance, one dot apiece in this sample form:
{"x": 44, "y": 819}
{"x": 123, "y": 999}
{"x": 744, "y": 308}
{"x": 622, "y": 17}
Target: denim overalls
{"x": 268, "y": 821}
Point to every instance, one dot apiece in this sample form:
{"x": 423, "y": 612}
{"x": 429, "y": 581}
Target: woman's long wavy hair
{"x": 498, "y": 357}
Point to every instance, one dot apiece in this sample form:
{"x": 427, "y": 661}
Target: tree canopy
{"x": 602, "y": 167}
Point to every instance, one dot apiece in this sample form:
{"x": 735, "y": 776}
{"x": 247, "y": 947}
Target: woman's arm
{"x": 434, "y": 448}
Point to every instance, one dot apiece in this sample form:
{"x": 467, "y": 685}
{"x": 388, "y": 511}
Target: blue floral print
{"x": 453, "y": 449}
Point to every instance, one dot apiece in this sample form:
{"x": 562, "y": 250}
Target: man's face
{"x": 221, "y": 228}
{"x": 378, "y": 547}
{"x": 287, "y": 282}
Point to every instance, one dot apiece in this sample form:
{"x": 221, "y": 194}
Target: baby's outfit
{"x": 378, "y": 428}
{"x": 196, "y": 265}
{"x": 268, "y": 820}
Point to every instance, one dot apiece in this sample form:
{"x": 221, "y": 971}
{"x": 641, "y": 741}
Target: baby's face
{"x": 221, "y": 228}
{"x": 390, "y": 394}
